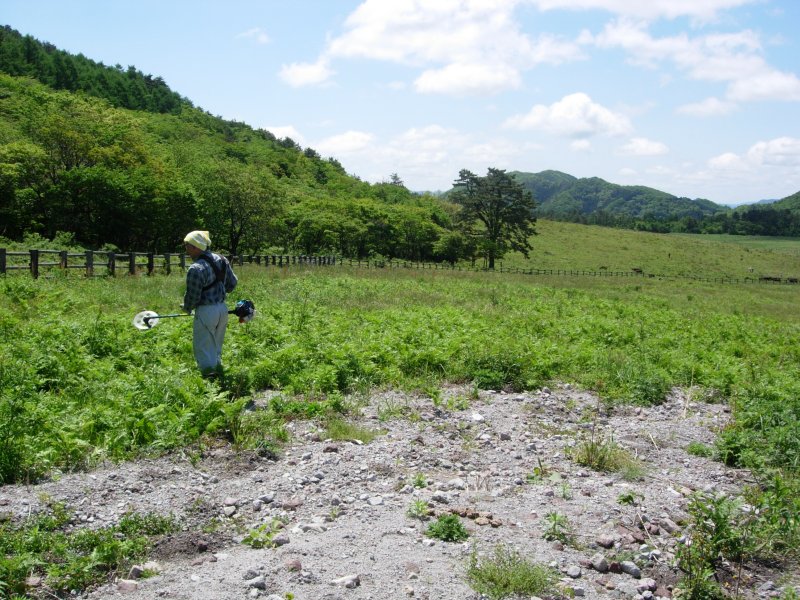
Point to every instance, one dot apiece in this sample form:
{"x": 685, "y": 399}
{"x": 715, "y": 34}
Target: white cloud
{"x": 450, "y": 40}
{"x": 732, "y": 58}
{"x": 643, "y": 147}
{"x": 574, "y": 115}
{"x": 710, "y": 107}
{"x": 284, "y": 131}
{"x": 468, "y": 79}
{"x": 256, "y": 33}
{"x": 648, "y": 9}
{"x": 348, "y": 142}
{"x": 782, "y": 151}
{"x": 300, "y": 74}
{"x": 727, "y": 162}
{"x": 768, "y": 85}
{"x": 628, "y": 172}
{"x": 778, "y": 152}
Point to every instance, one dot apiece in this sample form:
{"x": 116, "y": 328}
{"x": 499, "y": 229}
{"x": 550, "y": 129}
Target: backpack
{"x": 219, "y": 273}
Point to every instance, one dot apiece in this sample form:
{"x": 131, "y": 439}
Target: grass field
{"x": 588, "y": 247}
{"x": 79, "y": 384}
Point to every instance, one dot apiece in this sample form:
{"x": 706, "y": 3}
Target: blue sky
{"x": 699, "y": 98}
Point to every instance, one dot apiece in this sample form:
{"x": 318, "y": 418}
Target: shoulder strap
{"x": 219, "y": 273}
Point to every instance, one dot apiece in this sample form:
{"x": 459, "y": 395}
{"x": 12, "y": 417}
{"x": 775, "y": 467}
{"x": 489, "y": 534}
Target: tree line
{"x": 25, "y": 56}
{"x": 73, "y": 167}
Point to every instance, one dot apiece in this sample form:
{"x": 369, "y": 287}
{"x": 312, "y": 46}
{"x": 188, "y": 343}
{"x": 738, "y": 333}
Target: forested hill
{"x": 126, "y": 88}
{"x": 562, "y": 196}
{"x": 99, "y": 157}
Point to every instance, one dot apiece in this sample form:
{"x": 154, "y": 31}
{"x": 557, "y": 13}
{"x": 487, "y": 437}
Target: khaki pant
{"x": 208, "y": 334}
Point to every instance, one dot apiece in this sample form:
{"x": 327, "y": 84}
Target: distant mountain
{"x": 562, "y": 196}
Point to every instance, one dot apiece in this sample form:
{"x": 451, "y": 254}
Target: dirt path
{"x": 502, "y": 461}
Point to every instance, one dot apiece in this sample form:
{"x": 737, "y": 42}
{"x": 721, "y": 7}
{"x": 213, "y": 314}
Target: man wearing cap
{"x": 208, "y": 279}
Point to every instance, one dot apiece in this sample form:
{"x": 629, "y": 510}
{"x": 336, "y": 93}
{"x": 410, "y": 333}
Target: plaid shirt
{"x": 199, "y": 275}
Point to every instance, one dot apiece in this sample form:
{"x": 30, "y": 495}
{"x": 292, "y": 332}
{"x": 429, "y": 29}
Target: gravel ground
{"x": 346, "y": 532}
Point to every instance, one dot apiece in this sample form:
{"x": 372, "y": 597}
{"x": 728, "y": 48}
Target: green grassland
{"x": 79, "y": 384}
{"x": 590, "y": 247}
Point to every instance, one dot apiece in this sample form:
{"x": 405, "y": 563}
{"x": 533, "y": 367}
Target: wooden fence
{"x": 94, "y": 263}
{"x": 638, "y": 273}
{"x": 132, "y": 263}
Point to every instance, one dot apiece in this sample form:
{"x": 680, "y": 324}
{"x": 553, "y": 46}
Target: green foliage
{"x": 630, "y": 498}
{"x": 502, "y": 208}
{"x": 419, "y": 509}
{"x": 604, "y": 454}
{"x": 25, "y": 56}
{"x": 338, "y": 429}
{"x": 718, "y": 531}
{"x": 507, "y": 575}
{"x": 699, "y": 449}
{"x": 261, "y": 536}
{"x": 447, "y": 528}
{"x": 557, "y": 528}
{"x": 73, "y": 559}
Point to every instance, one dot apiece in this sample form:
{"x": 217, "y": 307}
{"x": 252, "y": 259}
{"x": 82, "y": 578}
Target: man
{"x": 208, "y": 279}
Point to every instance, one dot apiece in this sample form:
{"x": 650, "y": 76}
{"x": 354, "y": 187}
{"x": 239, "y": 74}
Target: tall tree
{"x": 503, "y": 207}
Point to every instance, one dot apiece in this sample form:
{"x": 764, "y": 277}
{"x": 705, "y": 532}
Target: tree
{"x": 502, "y": 206}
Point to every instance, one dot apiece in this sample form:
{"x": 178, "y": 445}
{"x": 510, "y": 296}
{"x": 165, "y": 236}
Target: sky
{"x": 698, "y": 98}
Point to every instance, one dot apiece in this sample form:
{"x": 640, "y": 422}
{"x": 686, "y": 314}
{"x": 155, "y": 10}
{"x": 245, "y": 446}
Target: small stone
{"x": 605, "y": 541}
{"x": 127, "y": 585}
{"x": 293, "y": 564}
{"x": 348, "y": 581}
{"x": 280, "y": 539}
{"x": 599, "y": 563}
{"x": 259, "y": 582}
{"x": 478, "y": 418}
{"x": 647, "y": 584}
{"x": 229, "y": 511}
{"x": 631, "y": 569}
{"x": 574, "y": 571}
{"x": 376, "y": 501}
{"x": 292, "y": 504}
{"x": 669, "y": 525}
{"x": 135, "y": 572}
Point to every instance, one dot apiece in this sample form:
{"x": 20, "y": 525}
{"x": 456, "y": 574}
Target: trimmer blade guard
{"x": 147, "y": 319}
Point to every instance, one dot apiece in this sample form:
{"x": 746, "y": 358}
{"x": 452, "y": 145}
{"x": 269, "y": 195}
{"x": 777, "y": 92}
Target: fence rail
{"x": 132, "y": 263}
{"x": 94, "y": 263}
{"x": 634, "y": 273}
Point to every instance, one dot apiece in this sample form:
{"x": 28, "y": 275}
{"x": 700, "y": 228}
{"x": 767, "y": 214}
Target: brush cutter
{"x": 147, "y": 319}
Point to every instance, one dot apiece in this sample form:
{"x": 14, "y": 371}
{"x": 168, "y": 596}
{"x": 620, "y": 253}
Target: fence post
{"x": 2, "y": 261}
{"x": 182, "y": 261}
{"x": 112, "y": 264}
{"x": 35, "y": 263}
{"x": 89, "y": 263}
{"x": 63, "y": 259}
{"x": 151, "y": 263}
{"x": 132, "y": 263}
{"x": 167, "y": 267}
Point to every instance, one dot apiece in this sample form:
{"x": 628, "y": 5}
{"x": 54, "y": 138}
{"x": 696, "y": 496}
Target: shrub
{"x": 606, "y": 455}
{"x": 447, "y": 528}
{"x": 507, "y": 574}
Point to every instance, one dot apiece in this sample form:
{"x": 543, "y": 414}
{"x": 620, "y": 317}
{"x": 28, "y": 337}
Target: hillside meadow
{"x": 590, "y": 247}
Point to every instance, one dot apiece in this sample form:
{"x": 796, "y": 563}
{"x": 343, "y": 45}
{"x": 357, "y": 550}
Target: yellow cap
{"x": 198, "y": 239}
